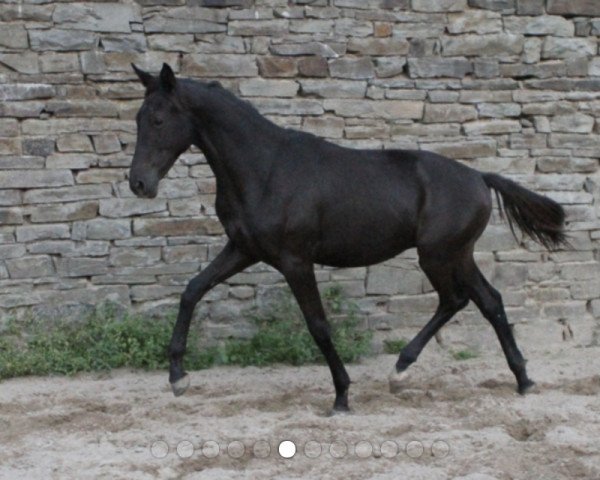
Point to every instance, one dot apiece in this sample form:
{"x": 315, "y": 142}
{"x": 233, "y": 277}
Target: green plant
{"x": 282, "y": 335}
{"x": 464, "y": 354}
{"x": 394, "y": 345}
{"x": 106, "y": 339}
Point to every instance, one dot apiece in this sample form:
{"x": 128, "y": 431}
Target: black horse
{"x": 291, "y": 199}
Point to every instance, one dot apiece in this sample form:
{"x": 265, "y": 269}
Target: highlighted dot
{"x": 287, "y": 449}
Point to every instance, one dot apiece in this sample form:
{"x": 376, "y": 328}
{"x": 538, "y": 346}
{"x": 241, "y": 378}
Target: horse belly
{"x": 353, "y": 244}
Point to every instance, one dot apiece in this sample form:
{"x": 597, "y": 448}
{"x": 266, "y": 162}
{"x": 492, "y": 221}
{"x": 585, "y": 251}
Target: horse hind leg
{"x": 452, "y": 298}
{"x": 489, "y": 302}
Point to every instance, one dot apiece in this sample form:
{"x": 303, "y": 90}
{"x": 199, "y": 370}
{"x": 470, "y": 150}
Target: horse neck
{"x": 235, "y": 139}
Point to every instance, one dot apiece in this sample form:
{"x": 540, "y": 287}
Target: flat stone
{"x": 30, "y": 267}
{"x": 135, "y": 42}
{"x": 495, "y": 44}
{"x": 97, "y": 17}
{"x": 185, "y": 253}
{"x": 23, "y": 62}
{"x": 62, "y": 40}
{"x": 127, "y": 207}
{"x": 439, "y": 67}
{"x": 389, "y": 109}
{"x": 74, "y": 142}
{"x": 313, "y": 67}
{"x": 11, "y": 216}
{"x": 30, "y": 233}
{"x": 378, "y": 46}
{"x": 324, "y": 126}
{"x": 226, "y": 65}
{"x": 257, "y": 87}
{"x": 352, "y": 68}
{"x": 382, "y": 280}
{"x": 441, "y": 6}
{"x": 13, "y": 36}
{"x": 12, "y": 251}
{"x": 492, "y": 127}
{"x": 386, "y": 67}
{"x": 187, "y": 20}
{"x": 281, "y": 67}
{"x": 107, "y": 143}
{"x": 138, "y": 257}
{"x": 463, "y": 149}
{"x": 443, "y": 113}
{"x": 73, "y": 161}
{"x": 574, "y": 7}
{"x": 257, "y": 27}
{"x": 25, "y": 91}
{"x": 540, "y": 25}
{"x": 35, "y": 178}
{"x": 92, "y": 63}
{"x": 81, "y": 266}
{"x": 327, "y": 50}
{"x": 530, "y": 7}
{"x": 280, "y": 106}
{"x": 66, "y": 194}
{"x": 64, "y": 213}
{"x": 175, "y": 226}
{"x": 333, "y": 88}
{"x": 496, "y": 5}
{"x": 575, "y": 123}
{"x": 555, "y": 47}
{"x": 474, "y": 21}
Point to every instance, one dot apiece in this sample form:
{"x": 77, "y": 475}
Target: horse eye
{"x": 158, "y": 122}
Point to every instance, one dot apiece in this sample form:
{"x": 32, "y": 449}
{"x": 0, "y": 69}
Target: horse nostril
{"x": 139, "y": 186}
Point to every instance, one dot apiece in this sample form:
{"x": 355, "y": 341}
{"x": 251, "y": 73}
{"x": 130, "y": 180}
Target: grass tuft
{"x": 104, "y": 339}
{"x": 465, "y": 354}
{"x": 394, "y": 345}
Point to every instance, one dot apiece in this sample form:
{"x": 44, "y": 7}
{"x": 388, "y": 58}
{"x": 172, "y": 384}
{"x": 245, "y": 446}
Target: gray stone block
{"x": 62, "y": 40}
{"x": 97, "y": 17}
{"x": 30, "y": 267}
{"x": 574, "y": 7}
{"x": 439, "y": 67}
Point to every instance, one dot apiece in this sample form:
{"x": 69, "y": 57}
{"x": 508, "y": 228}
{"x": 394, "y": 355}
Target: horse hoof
{"x": 528, "y": 387}
{"x": 337, "y": 411}
{"x": 180, "y": 386}
{"x": 397, "y": 380}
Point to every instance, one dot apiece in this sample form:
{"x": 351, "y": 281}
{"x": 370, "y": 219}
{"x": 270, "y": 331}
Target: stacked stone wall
{"x": 509, "y": 86}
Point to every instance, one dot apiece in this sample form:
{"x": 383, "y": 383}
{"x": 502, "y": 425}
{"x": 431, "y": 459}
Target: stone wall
{"x": 511, "y": 86}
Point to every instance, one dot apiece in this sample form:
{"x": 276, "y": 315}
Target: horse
{"x": 291, "y": 200}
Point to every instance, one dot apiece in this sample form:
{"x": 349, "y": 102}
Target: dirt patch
{"x": 453, "y": 419}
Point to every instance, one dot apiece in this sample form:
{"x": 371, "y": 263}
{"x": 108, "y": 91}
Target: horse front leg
{"x": 301, "y": 279}
{"x": 229, "y": 262}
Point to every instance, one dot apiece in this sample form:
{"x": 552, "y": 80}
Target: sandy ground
{"x": 454, "y": 419}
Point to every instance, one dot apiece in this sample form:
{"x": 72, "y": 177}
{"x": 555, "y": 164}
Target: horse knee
{"x": 191, "y": 296}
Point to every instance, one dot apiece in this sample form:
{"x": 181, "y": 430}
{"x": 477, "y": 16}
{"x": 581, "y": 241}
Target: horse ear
{"x": 167, "y": 78}
{"x": 146, "y": 79}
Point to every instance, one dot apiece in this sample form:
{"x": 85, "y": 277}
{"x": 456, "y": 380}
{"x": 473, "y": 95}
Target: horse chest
{"x": 251, "y": 236}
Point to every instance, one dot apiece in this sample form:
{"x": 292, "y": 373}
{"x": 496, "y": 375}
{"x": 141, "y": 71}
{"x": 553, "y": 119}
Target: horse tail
{"x": 539, "y": 217}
